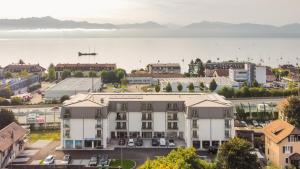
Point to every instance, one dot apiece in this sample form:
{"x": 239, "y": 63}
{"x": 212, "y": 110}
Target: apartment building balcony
{"x": 121, "y": 118}
{"x": 66, "y": 115}
{"x": 227, "y": 126}
{"x": 147, "y": 118}
{"x": 195, "y": 136}
{"x": 66, "y": 135}
{"x": 172, "y": 109}
{"x": 172, "y": 118}
{"x": 146, "y": 127}
{"x": 67, "y": 126}
{"x": 147, "y": 110}
{"x": 173, "y": 128}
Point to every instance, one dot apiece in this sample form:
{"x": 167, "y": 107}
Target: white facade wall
{"x": 159, "y": 121}
{"x": 134, "y": 121}
{"x": 239, "y": 75}
{"x": 261, "y": 74}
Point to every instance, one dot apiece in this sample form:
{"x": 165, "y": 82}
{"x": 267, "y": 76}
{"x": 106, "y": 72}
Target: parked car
{"x": 93, "y": 161}
{"x": 49, "y": 160}
{"x": 171, "y": 143}
{"x": 139, "y": 142}
{"x": 67, "y": 159}
{"x": 155, "y": 142}
{"x": 103, "y": 159}
{"x": 255, "y": 123}
{"x": 243, "y": 124}
{"x": 130, "y": 142}
{"x": 162, "y": 142}
{"x": 122, "y": 142}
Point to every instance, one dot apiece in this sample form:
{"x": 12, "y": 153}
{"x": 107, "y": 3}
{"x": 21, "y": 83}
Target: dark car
{"x": 93, "y": 161}
{"x": 103, "y": 159}
{"x": 155, "y": 142}
{"x": 122, "y": 142}
{"x": 67, "y": 159}
{"x": 139, "y": 142}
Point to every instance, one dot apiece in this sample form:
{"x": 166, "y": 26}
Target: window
{"x": 292, "y": 138}
{"x": 98, "y": 113}
{"x": 195, "y": 124}
{"x": 227, "y": 134}
{"x": 195, "y": 114}
{"x": 227, "y": 123}
{"x": 286, "y": 160}
{"x": 287, "y": 149}
{"x": 195, "y": 134}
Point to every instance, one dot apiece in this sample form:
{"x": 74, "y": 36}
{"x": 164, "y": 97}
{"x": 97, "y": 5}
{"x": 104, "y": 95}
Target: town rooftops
{"x": 164, "y": 65}
{"x": 10, "y": 134}
{"x": 31, "y": 68}
{"x": 197, "y": 80}
{"x": 157, "y": 75}
{"x": 76, "y": 84}
{"x": 278, "y": 130}
{"x": 190, "y": 99}
{"x": 85, "y": 67}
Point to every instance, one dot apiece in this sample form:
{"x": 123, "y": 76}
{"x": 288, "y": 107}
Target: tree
{"x": 201, "y": 86}
{"x": 157, "y": 88}
{"x": 78, "y": 74}
{"x": 21, "y": 62}
{"x": 16, "y": 101}
{"x": 179, "y": 87}
{"x": 64, "y": 98}
{"x": 213, "y": 85}
{"x": 66, "y": 74}
{"x": 255, "y": 83}
{"x": 8, "y": 75}
{"x": 227, "y": 92}
{"x": 92, "y": 74}
{"x": 191, "y": 87}
{"x": 120, "y": 74}
{"x": 168, "y": 88}
{"x": 200, "y": 67}
{"x": 180, "y": 158}
{"x": 236, "y": 154}
{"x": 6, "y": 92}
{"x": 4, "y": 102}
{"x": 290, "y": 108}
{"x": 23, "y": 73}
{"x": 51, "y": 72}
{"x": 6, "y": 117}
{"x": 245, "y": 84}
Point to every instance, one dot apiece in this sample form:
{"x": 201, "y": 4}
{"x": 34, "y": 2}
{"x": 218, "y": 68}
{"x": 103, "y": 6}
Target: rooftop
{"x": 197, "y": 80}
{"x": 164, "y": 64}
{"x": 10, "y": 134}
{"x": 76, "y": 84}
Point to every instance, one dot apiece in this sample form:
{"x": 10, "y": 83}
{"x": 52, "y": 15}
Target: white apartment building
{"x": 261, "y": 74}
{"x": 91, "y": 120}
{"x": 164, "y": 68}
{"x": 239, "y": 75}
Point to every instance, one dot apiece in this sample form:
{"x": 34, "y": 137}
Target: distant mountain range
{"x": 205, "y": 28}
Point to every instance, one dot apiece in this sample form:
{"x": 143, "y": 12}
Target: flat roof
{"x": 78, "y": 84}
{"x": 197, "y": 80}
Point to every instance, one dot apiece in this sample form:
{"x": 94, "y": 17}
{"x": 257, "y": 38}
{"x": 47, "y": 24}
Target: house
{"x": 164, "y": 68}
{"x": 84, "y": 68}
{"x": 270, "y": 75}
{"x": 30, "y": 68}
{"x": 94, "y": 120}
{"x": 282, "y": 144}
{"x": 11, "y": 143}
{"x": 150, "y": 78}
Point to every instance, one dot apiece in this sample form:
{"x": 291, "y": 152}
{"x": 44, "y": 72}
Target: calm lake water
{"x": 132, "y": 53}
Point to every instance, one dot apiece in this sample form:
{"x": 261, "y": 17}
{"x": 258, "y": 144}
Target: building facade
{"x": 11, "y": 143}
{"x": 282, "y": 144}
{"x": 30, "y": 68}
{"x": 92, "y": 120}
{"x": 84, "y": 68}
{"x": 164, "y": 68}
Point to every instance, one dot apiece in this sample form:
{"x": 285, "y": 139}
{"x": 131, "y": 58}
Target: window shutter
{"x": 283, "y": 149}
{"x": 291, "y": 149}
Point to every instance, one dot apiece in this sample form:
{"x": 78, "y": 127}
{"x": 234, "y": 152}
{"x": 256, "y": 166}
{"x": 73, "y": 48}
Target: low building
{"x": 270, "y": 75}
{"x": 185, "y": 82}
{"x": 282, "y": 144}
{"x": 84, "y": 68}
{"x": 239, "y": 75}
{"x": 72, "y": 86}
{"x": 11, "y": 143}
{"x": 93, "y": 120}
{"x": 148, "y": 78}
{"x": 164, "y": 68}
{"x": 30, "y": 68}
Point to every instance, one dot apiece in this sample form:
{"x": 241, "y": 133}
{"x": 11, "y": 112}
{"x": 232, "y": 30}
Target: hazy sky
{"x": 276, "y": 12}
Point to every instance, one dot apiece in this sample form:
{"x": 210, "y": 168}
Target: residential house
{"x": 164, "y": 68}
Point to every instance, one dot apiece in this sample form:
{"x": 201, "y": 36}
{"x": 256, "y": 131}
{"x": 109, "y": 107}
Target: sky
{"x": 180, "y": 12}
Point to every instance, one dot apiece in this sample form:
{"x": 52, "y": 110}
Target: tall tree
{"x": 168, "y": 88}
{"x": 236, "y": 154}
{"x": 179, "y": 87}
{"x": 157, "y": 88}
{"x": 8, "y": 75}
{"x": 200, "y": 67}
{"x": 21, "y": 62}
{"x": 201, "y": 86}
{"x": 191, "y": 87}
{"x": 66, "y": 74}
{"x": 213, "y": 85}
{"x": 255, "y": 83}
{"x": 51, "y": 72}
{"x": 6, "y": 117}
{"x": 290, "y": 108}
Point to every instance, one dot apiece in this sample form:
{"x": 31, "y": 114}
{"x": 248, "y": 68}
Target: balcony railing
{"x": 173, "y": 128}
{"x": 66, "y": 126}
{"x": 98, "y": 136}
{"x": 146, "y": 127}
{"x": 121, "y": 117}
{"x": 195, "y": 126}
{"x": 195, "y": 136}
{"x": 66, "y": 115}
{"x": 67, "y": 135}
{"x": 172, "y": 109}
{"x": 172, "y": 118}
{"x": 121, "y": 127}
{"x": 146, "y": 117}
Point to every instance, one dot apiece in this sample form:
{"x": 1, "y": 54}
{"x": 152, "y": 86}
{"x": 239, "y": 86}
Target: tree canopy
{"x": 255, "y": 83}
{"x": 290, "y": 107}
{"x": 66, "y": 74}
{"x": 213, "y": 85}
{"x": 201, "y": 86}
{"x": 51, "y": 72}
{"x": 78, "y": 74}
{"x": 157, "y": 88}
{"x": 179, "y": 87}
{"x": 191, "y": 87}
{"x": 168, "y": 88}
{"x": 6, "y": 117}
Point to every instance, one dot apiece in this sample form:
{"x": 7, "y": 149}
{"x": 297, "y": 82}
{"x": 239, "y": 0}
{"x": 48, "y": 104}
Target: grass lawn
{"x": 44, "y": 135}
{"x": 127, "y": 164}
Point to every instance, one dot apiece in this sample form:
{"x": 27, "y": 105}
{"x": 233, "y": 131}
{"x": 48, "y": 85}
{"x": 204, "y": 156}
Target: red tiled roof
{"x": 82, "y": 67}
{"x": 10, "y": 134}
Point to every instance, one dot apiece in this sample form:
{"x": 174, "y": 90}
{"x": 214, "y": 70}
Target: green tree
{"x": 66, "y": 74}
{"x": 4, "y": 102}
{"x": 179, "y": 87}
{"x": 16, "y": 101}
{"x": 180, "y": 158}
{"x": 92, "y": 74}
{"x": 236, "y": 154}
{"x": 157, "y": 88}
{"x": 200, "y": 67}
{"x": 64, "y": 98}
{"x": 23, "y": 73}
{"x": 255, "y": 83}
{"x": 6, "y": 92}
{"x": 21, "y": 62}
{"x": 78, "y": 74}
{"x": 191, "y": 87}
{"x": 168, "y": 88}
{"x": 245, "y": 84}
{"x": 290, "y": 107}
{"x": 227, "y": 92}
{"x": 213, "y": 85}
{"x": 8, "y": 75}
{"x": 51, "y": 72}
{"x": 120, "y": 74}
{"x": 201, "y": 86}
{"x": 6, "y": 117}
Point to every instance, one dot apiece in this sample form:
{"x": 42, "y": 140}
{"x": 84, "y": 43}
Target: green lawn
{"x": 127, "y": 164}
{"x": 44, "y": 135}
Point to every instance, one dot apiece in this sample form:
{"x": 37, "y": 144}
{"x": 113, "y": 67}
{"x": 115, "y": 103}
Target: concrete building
{"x": 185, "y": 82}
{"x": 164, "y": 68}
{"x": 20, "y": 85}
{"x": 148, "y": 78}
{"x": 282, "y": 144}
{"x": 30, "y": 68}
{"x": 11, "y": 143}
{"x": 261, "y": 74}
{"x": 72, "y": 86}
{"x": 93, "y": 120}
{"x": 84, "y": 68}
{"x": 239, "y": 75}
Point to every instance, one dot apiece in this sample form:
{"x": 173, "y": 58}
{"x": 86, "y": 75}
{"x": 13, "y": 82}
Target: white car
{"x": 162, "y": 142}
{"x": 171, "y": 143}
{"x": 130, "y": 142}
{"x": 49, "y": 160}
